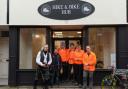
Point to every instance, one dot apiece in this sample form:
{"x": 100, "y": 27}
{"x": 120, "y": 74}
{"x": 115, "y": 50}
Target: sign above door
{"x": 66, "y": 9}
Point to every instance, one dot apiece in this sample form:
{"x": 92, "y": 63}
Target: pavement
{"x": 30, "y": 87}
{"x": 65, "y": 85}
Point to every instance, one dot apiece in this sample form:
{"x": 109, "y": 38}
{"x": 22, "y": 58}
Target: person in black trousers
{"x": 56, "y": 66}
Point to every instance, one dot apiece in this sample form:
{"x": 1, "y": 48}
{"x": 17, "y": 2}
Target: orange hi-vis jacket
{"x": 90, "y": 60}
{"x": 71, "y": 56}
{"x": 79, "y": 56}
{"x": 63, "y": 54}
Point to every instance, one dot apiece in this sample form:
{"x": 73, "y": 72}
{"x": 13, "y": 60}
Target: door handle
{"x": 7, "y": 60}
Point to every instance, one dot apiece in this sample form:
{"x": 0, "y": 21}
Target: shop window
{"x": 31, "y": 41}
{"x": 103, "y": 42}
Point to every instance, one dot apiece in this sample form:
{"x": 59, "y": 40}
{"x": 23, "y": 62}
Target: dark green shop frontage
{"x": 109, "y": 42}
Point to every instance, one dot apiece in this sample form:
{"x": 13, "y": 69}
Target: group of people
{"x": 68, "y": 64}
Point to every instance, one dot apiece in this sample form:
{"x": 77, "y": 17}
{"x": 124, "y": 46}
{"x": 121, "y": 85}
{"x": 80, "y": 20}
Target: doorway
{"x": 66, "y": 37}
{"x": 4, "y": 57}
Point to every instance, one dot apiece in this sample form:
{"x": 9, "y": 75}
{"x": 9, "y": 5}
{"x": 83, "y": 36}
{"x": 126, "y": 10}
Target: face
{"x": 72, "y": 46}
{"x": 78, "y": 48}
{"x": 46, "y": 48}
{"x": 62, "y": 46}
{"x": 88, "y": 49}
{"x": 56, "y": 51}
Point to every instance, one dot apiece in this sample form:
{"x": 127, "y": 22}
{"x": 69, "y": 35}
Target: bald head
{"x": 45, "y": 48}
{"x": 88, "y": 49}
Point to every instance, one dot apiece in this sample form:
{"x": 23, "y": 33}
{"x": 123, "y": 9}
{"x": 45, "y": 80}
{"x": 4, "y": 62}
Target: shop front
{"x": 108, "y": 42}
{"x": 29, "y": 25}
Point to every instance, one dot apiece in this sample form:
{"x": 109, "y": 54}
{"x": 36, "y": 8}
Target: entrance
{"x": 4, "y": 57}
{"x": 57, "y": 42}
{"x": 66, "y": 37}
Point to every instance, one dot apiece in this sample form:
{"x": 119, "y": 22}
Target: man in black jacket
{"x": 56, "y": 66}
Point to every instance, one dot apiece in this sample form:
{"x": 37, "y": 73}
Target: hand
{"x": 86, "y": 64}
{"x": 47, "y": 65}
{"x": 43, "y": 65}
{"x": 76, "y": 59}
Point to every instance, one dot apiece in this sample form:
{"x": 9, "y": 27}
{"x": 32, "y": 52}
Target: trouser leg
{"x": 35, "y": 84}
{"x": 80, "y": 74}
{"x": 63, "y": 75}
{"x": 91, "y": 80}
{"x": 69, "y": 71}
{"x": 37, "y": 75}
{"x": 53, "y": 78}
{"x": 85, "y": 76}
{"x": 77, "y": 73}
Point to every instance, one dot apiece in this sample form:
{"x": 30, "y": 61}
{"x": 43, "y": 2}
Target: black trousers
{"x": 78, "y": 71}
{"x": 70, "y": 75}
{"x": 64, "y": 75}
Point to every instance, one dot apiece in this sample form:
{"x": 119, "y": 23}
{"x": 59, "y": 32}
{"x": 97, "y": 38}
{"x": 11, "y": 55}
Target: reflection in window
{"x": 31, "y": 41}
{"x": 103, "y": 43}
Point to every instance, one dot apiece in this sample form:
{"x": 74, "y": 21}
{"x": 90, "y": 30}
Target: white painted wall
{"x": 24, "y": 12}
{"x": 3, "y": 12}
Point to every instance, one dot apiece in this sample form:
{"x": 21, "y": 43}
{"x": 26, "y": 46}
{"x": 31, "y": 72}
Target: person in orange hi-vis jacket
{"x": 89, "y": 63}
{"x": 78, "y": 65}
{"x": 71, "y": 57}
{"x": 64, "y": 59}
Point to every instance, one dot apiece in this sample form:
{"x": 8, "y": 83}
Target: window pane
{"x": 31, "y": 41}
{"x": 103, "y": 43}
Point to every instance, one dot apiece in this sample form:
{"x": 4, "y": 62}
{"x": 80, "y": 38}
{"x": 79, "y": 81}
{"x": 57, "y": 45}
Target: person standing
{"x": 78, "y": 67}
{"x": 43, "y": 60}
{"x": 71, "y": 61}
{"x": 64, "y": 59}
{"x": 89, "y": 63}
{"x": 56, "y": 65}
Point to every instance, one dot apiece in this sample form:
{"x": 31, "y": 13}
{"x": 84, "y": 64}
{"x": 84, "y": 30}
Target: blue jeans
{"x": 85, "y": 77}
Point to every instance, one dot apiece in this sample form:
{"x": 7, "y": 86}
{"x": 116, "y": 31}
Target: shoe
{"x": 76, "y": 84}
{"x": 80, "y": 86}
{"x": 84, "y": 87}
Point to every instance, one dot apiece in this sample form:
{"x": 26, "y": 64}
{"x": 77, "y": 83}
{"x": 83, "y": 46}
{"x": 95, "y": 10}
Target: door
{"x": 67, "y": 41}
{"x": 67, "y": 37}
{"x": 4, "y": 57}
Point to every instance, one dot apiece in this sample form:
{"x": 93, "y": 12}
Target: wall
{"x": 3, "y": 12}
{"x": 24, "y": 12}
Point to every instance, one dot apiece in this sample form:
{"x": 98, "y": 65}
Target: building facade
{"x": 27, "y": 25}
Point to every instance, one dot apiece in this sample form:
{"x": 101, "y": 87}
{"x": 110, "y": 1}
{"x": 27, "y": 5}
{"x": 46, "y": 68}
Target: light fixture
{"x": 99, "y": 34}
{"x": 37, "y": 36}
{"x": 78, "y": 32}
{"x": 58, "y": 32}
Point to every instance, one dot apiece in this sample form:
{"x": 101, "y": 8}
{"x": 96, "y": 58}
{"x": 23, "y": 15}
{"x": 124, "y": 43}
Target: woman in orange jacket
{"x": 78, "y": 65}
{"x": 89, "y": 63}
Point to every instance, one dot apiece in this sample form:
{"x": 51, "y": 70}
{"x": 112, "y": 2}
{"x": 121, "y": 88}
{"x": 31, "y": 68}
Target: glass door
{"x": 66, "y": 37}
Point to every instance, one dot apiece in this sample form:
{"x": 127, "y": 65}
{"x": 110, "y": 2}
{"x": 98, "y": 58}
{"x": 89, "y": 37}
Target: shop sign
{"x": 66, "y": 9}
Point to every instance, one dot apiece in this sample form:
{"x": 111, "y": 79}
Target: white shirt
{"x": 45, "y": 59}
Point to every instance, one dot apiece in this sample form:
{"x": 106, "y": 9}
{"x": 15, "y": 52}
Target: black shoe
{"x": 80, "y": 85}
{"x": 76, "y": 84}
